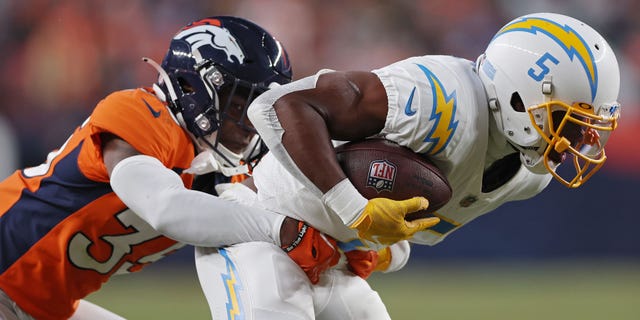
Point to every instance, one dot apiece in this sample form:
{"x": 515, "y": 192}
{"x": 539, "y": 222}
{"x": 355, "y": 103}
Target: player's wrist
{"x": 399, "y": 254}
{"x": 345, "y": 200}
{"x": 289, "y": 233}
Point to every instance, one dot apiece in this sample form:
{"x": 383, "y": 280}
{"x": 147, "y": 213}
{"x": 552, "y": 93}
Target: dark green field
{"x": 535, "y": 291}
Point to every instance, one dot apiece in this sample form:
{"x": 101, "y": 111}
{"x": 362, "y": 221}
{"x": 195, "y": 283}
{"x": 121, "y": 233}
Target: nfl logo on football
{"x": 382, "y": 175}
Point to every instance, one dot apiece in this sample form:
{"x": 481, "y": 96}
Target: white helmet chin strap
{"x": 535, "y": 162}
{"x": 209, "y": 161}
{"x": 220, "y": 160}
{"x": 233, "y": 168}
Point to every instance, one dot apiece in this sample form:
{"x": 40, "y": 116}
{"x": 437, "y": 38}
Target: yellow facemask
{"x": 574, "y": 130}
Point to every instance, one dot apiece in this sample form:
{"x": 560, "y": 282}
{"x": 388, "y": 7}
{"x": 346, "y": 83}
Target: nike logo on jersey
{"x": 155, "y": 114}
{"x": 407, "y": 108}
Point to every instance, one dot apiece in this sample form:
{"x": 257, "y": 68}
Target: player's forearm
{"x": 158, "y": 196}
{"x": 308, "y": 143}
{"x": 297, "y": 136}
{"x": 306, "y": 153}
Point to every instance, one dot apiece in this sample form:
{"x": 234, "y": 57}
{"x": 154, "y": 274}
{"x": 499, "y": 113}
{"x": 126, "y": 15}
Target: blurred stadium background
{"x": 566, "y": 254}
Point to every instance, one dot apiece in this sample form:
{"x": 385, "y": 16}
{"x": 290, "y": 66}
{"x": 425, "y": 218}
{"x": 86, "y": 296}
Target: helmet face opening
{"x": 576, "y": 132}
{"x": 236, "y": 130}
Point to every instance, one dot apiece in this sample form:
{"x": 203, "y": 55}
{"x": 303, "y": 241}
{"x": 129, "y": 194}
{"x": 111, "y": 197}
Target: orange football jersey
{"x": 63, "y": 231}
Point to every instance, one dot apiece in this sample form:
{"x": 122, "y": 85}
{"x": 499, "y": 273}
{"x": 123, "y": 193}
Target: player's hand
{"x": 313, "y": 251}
{"x": 364, "y": 262}
{"x": 383, "y": 220}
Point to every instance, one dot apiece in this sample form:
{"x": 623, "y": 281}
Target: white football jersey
{"x": 437, "y": 107}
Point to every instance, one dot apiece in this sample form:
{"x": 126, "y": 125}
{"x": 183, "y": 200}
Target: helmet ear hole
{"x": 185, "y": 85}
{"x": 516, "y": 102}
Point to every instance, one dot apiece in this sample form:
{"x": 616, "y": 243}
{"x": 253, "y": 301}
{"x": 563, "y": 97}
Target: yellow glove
{"x": 383, "y": 221}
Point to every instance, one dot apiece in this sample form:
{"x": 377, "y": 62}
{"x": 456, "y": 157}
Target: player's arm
{"x": 297, "y": 121}
{"x": 341, "y": 106}
{"x": 157, "y": 194}
{"x": 309, "y": 248}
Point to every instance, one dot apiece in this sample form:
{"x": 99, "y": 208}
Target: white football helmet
{"x": 552, "y": 83}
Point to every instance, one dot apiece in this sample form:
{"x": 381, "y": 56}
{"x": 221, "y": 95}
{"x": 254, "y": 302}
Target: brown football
{"x": 380, "y": 168}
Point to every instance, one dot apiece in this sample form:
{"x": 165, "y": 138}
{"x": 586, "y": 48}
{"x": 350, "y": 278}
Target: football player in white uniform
{"x": 543, "y": 93}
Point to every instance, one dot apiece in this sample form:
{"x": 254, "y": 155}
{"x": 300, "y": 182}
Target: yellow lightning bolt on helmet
{"x": 552, "y": 83}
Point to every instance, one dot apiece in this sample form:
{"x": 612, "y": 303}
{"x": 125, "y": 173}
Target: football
{"x": 380, "y": 168}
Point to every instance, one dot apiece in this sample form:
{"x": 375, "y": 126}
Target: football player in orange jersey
{"x": 117, "y": 195}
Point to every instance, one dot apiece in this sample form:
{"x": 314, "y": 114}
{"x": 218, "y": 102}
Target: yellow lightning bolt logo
{"x": 567, "y": 38}
{"x": 442, "y": 114}
{"x": 232, "y": 285}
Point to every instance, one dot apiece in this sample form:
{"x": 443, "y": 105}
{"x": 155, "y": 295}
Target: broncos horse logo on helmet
{"x": 209, "y": 62}
{"x": 202, "y": 35}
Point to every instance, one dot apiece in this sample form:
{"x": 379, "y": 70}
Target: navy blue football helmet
{"x": 211, "y": 60}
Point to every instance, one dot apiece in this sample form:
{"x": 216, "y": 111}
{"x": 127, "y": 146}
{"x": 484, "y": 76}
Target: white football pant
{"x": 258, "y": 281}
